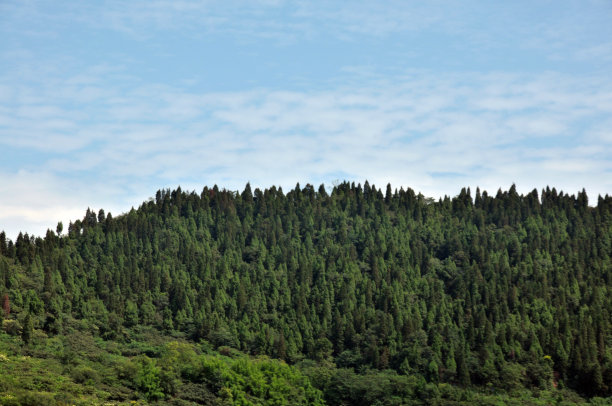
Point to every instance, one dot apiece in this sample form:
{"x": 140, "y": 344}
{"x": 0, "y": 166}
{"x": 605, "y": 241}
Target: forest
{"x": 351, "y": 295}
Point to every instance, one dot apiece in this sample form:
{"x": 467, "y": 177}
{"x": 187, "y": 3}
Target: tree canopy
{"x": 506, "y": 291}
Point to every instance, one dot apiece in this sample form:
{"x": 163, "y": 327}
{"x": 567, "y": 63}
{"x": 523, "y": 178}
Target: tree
{"x": 148, "y": 378}
{"x": 6, "y": 305}
{"x": 28, "y": 329}
{"x": 131, "y": 314}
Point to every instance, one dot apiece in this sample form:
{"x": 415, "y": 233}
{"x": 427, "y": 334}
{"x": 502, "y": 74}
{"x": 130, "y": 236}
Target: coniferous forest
{"x": 347, "y": 296}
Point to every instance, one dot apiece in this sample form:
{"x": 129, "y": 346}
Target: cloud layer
{"x": 78, "y": 130}
{"x": 434, "y": 134}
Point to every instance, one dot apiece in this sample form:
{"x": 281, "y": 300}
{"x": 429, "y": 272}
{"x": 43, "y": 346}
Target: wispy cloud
{"x": 522, "y": 25}
{"x": 397, "y": 91}
{"x": 489, "y": 131}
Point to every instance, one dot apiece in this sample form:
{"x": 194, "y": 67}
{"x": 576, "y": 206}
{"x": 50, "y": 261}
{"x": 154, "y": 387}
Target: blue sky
{"x": 102, "y": 103}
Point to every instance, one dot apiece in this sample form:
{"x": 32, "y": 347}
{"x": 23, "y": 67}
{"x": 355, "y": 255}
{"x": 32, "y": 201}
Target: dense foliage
{"x": 507, "y": 292}
{"x": 78, "y": 368}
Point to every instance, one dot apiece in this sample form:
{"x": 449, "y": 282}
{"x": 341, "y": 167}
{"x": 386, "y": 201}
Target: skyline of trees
{"x": 510, "y": 290}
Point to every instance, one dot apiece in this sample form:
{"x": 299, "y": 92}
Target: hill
{"x": 486, "y": 294}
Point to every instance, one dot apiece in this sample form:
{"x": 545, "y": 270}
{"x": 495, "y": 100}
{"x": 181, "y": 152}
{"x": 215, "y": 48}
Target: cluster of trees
{"x": 78, "y": 369}
{"x": 507, "y": 291}
{"x": 212, "y": 378}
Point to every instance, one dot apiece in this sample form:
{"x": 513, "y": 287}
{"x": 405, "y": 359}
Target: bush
{"x": 36, "y": 399}
{"x": 148, "y": 379}
{"x": 11, "y": 327}
{"x": 512, "y": 376}
{"x": 9, "y": 400}
{"x": 84, "y": 375}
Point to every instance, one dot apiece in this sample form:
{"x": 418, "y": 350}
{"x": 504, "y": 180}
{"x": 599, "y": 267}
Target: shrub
{"x": 84, "y": 375}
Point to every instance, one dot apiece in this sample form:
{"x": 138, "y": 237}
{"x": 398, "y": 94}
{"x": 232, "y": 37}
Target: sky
{"x": 103, "y": 103}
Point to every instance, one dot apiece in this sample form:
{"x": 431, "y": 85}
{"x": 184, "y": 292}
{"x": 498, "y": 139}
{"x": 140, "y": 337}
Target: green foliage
{"x": 509, "y": 293}
{"x": 28, "y": 329}
{"x": 259, "y": 381}
{"x": 84, "y": 375}
{"x": 148, "y": 378}
{"x": 345, "y": 387}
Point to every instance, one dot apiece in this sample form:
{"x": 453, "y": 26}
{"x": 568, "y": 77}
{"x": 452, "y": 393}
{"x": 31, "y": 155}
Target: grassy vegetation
{"x": 149, "y": 367}
{"x": 145, "y": 367}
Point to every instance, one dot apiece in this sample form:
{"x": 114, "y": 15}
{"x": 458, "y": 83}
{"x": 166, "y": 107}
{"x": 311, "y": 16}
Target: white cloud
{"x": 35, "y": 201}
{"x": 113, "y": 146}
{"x": 550, "y": 28}
{"x": 340, "y": 115}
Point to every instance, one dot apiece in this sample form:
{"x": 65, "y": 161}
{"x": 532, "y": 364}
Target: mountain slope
{"x": 509, "y": 291}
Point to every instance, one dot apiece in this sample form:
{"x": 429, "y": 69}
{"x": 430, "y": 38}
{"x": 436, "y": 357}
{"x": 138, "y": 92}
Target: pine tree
{"x": 28, "y": 329}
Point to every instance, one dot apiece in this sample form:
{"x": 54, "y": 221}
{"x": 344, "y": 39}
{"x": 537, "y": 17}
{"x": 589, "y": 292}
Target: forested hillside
{"x": 502, "y": 293}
